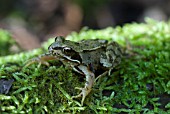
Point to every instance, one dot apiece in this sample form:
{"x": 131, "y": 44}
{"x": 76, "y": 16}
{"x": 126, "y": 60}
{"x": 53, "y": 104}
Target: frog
{"x": 86, "y": 57}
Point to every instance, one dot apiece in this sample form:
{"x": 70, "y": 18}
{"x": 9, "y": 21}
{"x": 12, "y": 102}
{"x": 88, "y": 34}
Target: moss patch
{"x": 140, "y": 84}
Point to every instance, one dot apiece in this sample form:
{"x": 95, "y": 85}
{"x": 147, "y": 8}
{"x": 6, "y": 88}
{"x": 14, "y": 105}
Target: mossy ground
{"x": 140, "y": 84}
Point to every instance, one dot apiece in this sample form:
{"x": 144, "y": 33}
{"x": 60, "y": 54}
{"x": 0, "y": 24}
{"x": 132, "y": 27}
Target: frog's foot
{"x": 84, "y": 92}
{"x": 41, "y": 60}
{"x": 36, "y": 60}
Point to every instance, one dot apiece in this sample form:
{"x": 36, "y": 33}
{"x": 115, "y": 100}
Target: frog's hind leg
{"x": 101, "y": 75}
{"x": 88, "y": 85}
{"x": 42, "y": 59}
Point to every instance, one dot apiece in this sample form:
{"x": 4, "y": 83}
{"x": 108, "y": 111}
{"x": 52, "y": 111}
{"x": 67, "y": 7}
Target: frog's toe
{"x": 36, "y": 60}
{"x": 83, "y": 94}
{"x": 79, "y": 88}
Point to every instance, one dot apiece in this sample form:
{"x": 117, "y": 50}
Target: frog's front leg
{"x": 90, "y": 77}
{"x": 42, "y": 59}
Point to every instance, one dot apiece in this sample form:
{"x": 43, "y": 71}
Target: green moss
{"x": 140, "y": 84}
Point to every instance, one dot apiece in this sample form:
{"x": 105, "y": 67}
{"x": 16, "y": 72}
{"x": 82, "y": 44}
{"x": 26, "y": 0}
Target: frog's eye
{"x": 66, "y": 49}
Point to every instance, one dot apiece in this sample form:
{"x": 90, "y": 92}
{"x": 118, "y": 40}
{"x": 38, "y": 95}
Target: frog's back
{"x": 92, "y": 44}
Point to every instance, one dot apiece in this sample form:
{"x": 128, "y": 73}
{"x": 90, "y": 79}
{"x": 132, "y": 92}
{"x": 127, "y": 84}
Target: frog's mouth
{"x": 61, "y": 55}
{"x": 70, "y": 59}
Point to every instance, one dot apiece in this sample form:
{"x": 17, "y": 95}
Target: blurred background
{"x": 33, "y": 21}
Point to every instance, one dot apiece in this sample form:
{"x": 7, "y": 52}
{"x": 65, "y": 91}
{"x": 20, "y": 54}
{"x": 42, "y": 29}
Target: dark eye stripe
{"x": 57, "y": 48}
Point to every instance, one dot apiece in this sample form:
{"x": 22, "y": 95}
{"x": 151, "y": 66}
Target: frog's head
{"x": 64, "y": 49}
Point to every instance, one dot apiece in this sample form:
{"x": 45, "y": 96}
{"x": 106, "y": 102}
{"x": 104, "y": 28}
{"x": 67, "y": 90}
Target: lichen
{"x": 140, "y": 84}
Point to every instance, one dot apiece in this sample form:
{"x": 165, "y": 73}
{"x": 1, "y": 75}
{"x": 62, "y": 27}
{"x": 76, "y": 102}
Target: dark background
{"x": 33, "y": 21}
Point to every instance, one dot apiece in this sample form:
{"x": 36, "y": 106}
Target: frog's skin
{"x": 85, "y": 57}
